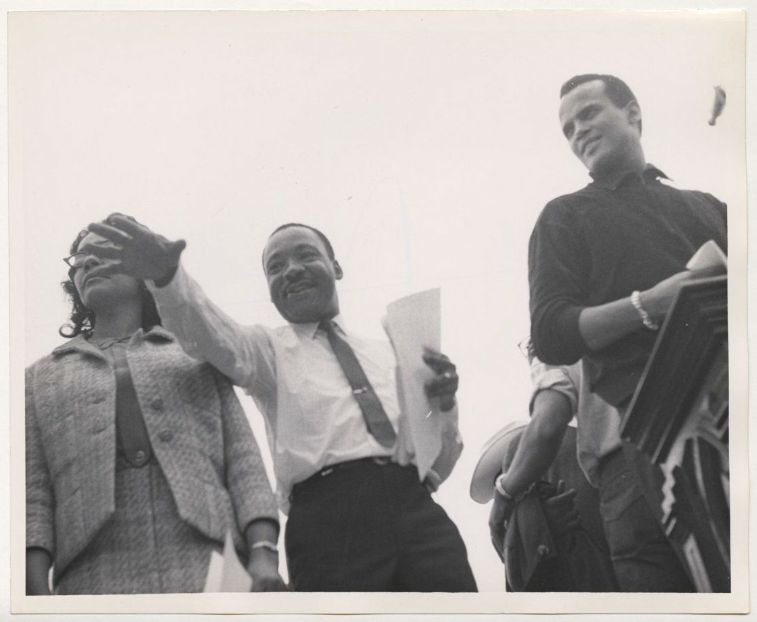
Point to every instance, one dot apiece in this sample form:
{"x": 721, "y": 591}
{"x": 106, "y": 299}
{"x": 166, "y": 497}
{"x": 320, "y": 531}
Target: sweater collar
{"x": 613, "y": 182}
{"x": 81, "y": 344}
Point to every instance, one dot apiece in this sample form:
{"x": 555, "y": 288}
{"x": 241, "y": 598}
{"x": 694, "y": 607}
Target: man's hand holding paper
{"x": 444, "y": 384}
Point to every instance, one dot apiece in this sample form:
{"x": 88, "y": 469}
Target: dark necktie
{"x": 373, "y": 412}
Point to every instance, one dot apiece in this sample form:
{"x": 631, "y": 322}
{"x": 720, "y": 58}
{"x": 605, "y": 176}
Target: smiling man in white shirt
{"x": 361, "y": 516}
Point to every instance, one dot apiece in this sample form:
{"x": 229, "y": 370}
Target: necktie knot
{"x": 327, "y": 326}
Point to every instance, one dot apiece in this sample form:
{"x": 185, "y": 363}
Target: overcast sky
{"x": 423, "y": 145}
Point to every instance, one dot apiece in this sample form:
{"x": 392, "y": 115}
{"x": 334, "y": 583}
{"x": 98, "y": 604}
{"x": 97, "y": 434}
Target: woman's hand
{"x": 264, "y": 569}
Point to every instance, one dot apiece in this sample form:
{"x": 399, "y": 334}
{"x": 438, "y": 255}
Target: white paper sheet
{"x": 709, "y": 255}
{"x": 414, "y": 323}
{"x": 225, "y": 572}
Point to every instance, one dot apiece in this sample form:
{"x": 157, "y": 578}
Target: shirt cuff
{"x": 41, "y": 537}
{"x": 173, "y": 293}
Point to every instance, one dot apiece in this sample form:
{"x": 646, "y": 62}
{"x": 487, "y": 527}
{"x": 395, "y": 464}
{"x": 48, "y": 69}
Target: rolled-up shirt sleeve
{"x": 553, "y": 378}
{"x": 557, "y": 269}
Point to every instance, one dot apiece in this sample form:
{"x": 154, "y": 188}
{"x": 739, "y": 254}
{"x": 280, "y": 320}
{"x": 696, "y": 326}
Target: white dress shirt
{"x": 598, "y": 421}
{"x": 312, "y": 418}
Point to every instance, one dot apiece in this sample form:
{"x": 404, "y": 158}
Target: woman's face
{"x": 99, "y": 292}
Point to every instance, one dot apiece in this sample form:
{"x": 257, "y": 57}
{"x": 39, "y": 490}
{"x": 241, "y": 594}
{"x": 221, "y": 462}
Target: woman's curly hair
{"x": 82, "y": 319}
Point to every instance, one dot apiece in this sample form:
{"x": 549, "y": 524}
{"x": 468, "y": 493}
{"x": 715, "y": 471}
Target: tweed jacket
{"x": 197, "y": 428}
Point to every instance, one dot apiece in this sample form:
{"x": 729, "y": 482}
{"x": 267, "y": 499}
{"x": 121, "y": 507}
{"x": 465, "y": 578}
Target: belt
{"x": 341, "y": 466}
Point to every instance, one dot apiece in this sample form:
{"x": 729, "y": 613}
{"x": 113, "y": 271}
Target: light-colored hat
{"x": 490, "y": 463}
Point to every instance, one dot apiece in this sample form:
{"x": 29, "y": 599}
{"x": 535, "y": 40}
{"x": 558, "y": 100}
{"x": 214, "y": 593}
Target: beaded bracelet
{"x": 645, "y": 317}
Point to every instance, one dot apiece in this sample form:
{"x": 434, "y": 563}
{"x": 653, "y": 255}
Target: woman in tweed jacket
{"x": 139, "y": 459}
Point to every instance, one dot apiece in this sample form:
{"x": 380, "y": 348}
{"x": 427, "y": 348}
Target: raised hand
{"x": 138, "y": 252}
{"x": 444, "y": 384}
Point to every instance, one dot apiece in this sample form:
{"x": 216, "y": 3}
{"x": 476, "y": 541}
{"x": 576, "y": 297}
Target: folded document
{"x": 225, "y": 572}
{"x": 414, "y": 323}
{"x": 709, "y": 255}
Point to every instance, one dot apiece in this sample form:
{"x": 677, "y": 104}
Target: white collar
{"x": 309, "y": 329}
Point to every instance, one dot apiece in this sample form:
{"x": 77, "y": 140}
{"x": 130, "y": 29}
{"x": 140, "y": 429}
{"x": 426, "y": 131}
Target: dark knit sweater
{"x": 600, "y": 244}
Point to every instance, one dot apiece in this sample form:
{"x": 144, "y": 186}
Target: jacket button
{"x": 157, "y": 404}
{"x": 139, "y": 456}
{"x": 165, "y": 435}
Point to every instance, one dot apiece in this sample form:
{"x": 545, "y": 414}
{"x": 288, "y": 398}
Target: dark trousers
{"x": 369, "y": 526}
{"x": 642, "y": 556}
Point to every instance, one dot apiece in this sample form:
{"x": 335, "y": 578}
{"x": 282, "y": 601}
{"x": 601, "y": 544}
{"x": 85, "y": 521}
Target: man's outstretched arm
{"x": 204, "y": 331}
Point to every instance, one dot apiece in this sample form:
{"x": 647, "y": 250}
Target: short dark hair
{"x": 324, "y": 239}
{"x": 617, "y": 91}
{"x": 82, "y": 319}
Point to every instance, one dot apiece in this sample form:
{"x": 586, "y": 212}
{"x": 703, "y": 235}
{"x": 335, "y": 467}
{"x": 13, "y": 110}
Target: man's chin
{"x": 594, "y": 164}
{"x": 305, "y": 311}
{"x": 600, "y": 169}
{"x": 301, "y": 315}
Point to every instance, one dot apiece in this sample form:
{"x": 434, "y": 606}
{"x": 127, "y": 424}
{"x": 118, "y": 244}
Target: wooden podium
{"x": 679, "y": 419}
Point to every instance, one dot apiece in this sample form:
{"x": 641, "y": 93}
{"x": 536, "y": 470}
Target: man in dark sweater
{"x": 605, "y": 264}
